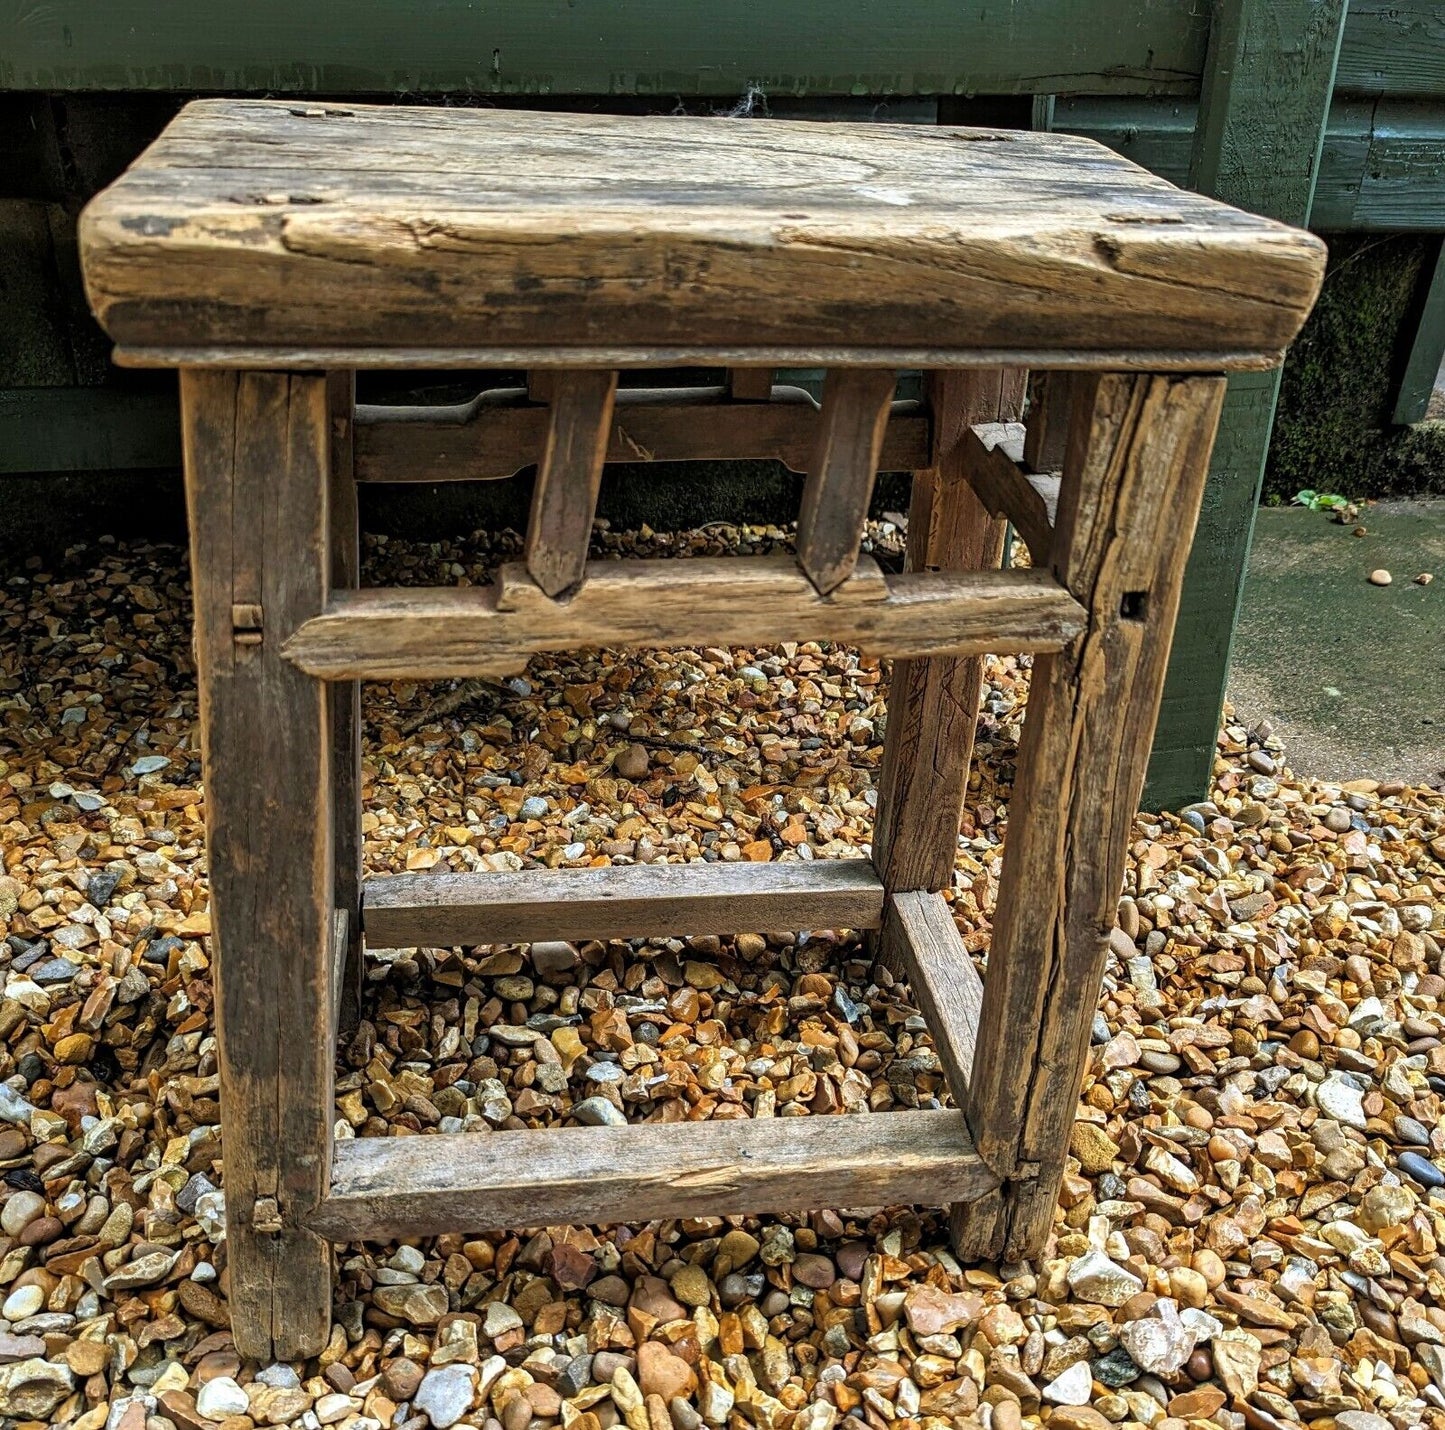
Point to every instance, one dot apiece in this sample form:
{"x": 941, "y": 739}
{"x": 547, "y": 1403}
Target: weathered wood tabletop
{"x": 274, "y": 225}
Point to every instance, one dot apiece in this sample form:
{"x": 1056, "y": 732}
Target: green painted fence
{"x": 656, "y": 47}
{"x": 1231, "y": 95}
{"x": 646, "y": 47}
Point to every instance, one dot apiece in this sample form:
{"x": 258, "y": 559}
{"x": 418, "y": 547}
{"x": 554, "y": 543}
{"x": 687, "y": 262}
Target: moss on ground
{"x": 1333, "y": 431}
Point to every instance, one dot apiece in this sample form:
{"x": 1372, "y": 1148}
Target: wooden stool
{"x": 270, "y": 249}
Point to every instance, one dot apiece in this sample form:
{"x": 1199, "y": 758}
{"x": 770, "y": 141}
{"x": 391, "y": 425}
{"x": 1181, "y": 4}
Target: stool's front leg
{"x": 256, "y": 457}
{"x": 1138, "y": 453}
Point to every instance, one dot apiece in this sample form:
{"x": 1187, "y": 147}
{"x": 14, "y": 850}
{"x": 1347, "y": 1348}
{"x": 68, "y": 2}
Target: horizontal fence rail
{"x": 659, "y": 47}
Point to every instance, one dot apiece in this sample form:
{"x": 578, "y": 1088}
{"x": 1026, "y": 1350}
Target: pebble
{"x": 1380, "y": 577}
{"x": 1159, "y": 1345}
{"x": 1094, "y": 1148}
{"x": 691, "y": 1286}
{"x": 31, "y": 1389}
{"x": 13, "y": 1348}
{"x": 20, "y": 1210}
{"x": 13, "y": 1107}
{"x": 552, "y": 958}
{"x": 634, "y": 762}
{"x": 660, "y": 1372}
{"x": 221, "y": 1397}
{"x": 1072, "y": 1387}
{"x": 1361, "y": 1420}
{"x": 737, "y": 1248}
{"x": 1341, "y": 1099}
{"x": 813, "y": 1271}
{"x": 445, "y": 1394}
{"x": 333, "y": 1408}
{"x": 401, "y": 1378}
{"x": 598, "y": 1112}
{"x": 1412, "y": 1164}
{"x": 415, "y": 1304}
{"x": 931, "y": 1312}
{"x": 500, "y": 1319}
{"x": 26, "y": 1301}
{"x": 1115, "y": 1369}
{"x": 1407, "y": 1129}
{"x": 1097, "y": 1279}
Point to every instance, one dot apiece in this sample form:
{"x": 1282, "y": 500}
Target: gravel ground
{"x": 1252, "y": 1218}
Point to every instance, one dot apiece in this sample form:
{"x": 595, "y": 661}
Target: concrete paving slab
{"x": 1351, "y": 675}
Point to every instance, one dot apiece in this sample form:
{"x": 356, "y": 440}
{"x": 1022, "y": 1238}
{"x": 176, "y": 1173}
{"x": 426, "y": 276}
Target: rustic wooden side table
{"x": 269, "y": 250}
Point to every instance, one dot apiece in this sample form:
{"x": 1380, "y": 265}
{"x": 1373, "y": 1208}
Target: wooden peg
{"x": 856, "y": 403}
{"x": 569, "y": 476}
{"x": 750, "y": 384}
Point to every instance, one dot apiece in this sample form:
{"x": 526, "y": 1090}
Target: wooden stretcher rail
{"x": 919, "y": 927}
{"x": 438, "y": 633}
{"x": 498, "y": 434}
{"x": 383, "y": 1187}
{"x": 460, "y": 910}
{"x": 1028, "y": 500}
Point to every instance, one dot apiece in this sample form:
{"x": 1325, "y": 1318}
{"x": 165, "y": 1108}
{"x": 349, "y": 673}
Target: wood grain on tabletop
{"x": 663, "y": 231}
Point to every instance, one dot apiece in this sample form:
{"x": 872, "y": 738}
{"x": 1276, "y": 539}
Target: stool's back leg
{"x": 1137, "y": 456}
{"x": 856, "y": 404}
{"x": 256, "y": 484}
{"x": 569, "y": 477}
{"x": 1046, "y": 428}
{"x": 346, "y": 696}
{"x": 933, "y": 704}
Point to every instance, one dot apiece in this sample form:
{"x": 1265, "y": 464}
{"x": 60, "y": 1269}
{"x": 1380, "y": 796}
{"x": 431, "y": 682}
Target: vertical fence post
{"x": 1268, "y": 77}
{"x": 1417, "y": 382}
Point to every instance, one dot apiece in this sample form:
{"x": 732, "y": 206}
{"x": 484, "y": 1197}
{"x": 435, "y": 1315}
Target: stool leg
{"x": 1137, "y": 455}
{"x": 346, "y": 699}
{"x": 256, "y": 484}
{"x": 933, "y": 704}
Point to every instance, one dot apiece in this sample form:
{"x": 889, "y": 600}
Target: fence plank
{"x": 1265, "y": 99}
{"x": 648, "y": 47}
